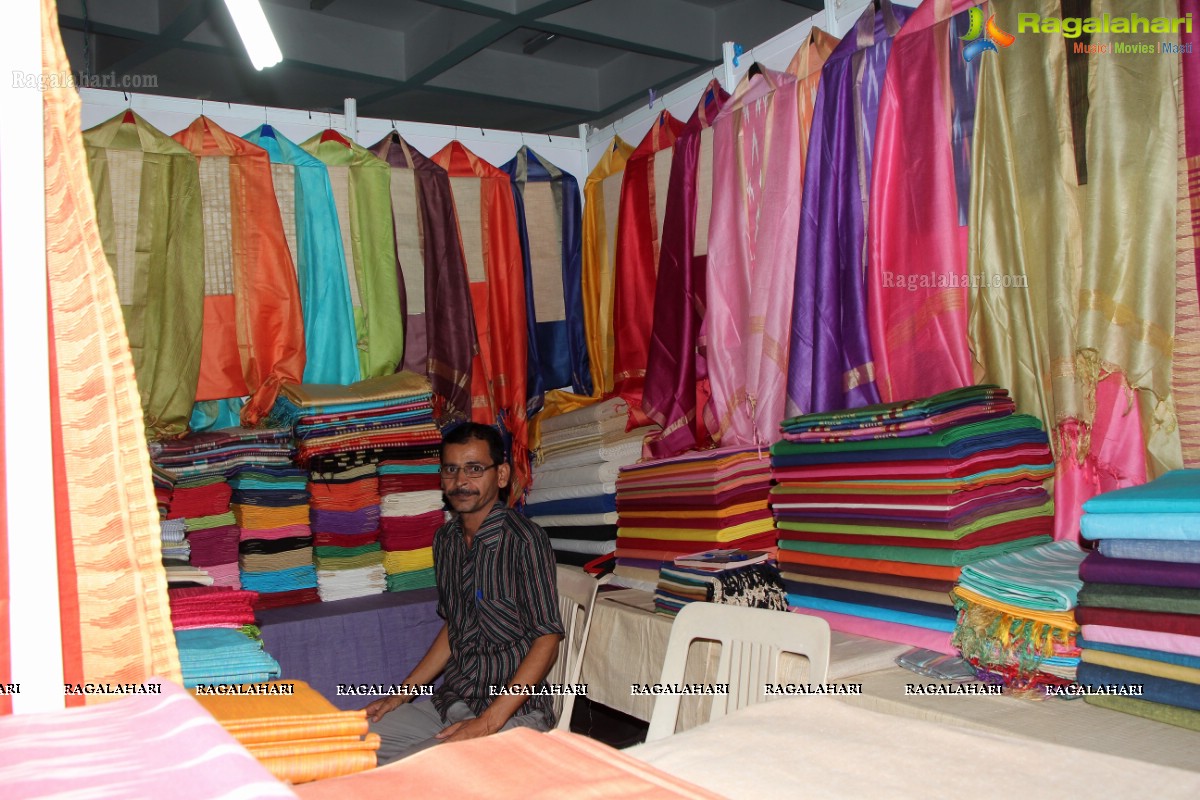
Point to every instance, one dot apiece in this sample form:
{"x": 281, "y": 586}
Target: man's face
{"x": 468, "y": 494}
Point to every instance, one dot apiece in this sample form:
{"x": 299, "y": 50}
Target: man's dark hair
{"x": 468, "y": 431}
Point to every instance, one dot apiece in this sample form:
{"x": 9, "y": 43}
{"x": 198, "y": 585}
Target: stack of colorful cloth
{"x": 393, "y": 411}
{"x": 574, "y": 478}
{"x": 344, "y": 513}
{"x": 276, "y": 553}
{"x": 412, "y": 511}
{"x": 1016, "y": 616}
{"x": 879, "y": 508}
{"x": 683, "y": 505}
{"x": 295, "y": 732}
{"x": 1140, "y": 604}
{"x": 194, "y": 497}
{"x": 222, "y": 452}
{"x": 216, "y": 636}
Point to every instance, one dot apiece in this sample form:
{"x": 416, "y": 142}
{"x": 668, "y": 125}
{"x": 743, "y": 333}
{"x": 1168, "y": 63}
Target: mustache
{"x": 462, "y": 493}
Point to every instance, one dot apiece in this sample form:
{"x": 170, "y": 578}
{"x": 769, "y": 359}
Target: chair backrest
{"x": 752, "y": 640}
{"x": 576, "y": 595}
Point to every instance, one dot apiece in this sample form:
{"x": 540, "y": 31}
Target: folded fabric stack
{"x": 754, "y": 585}
{"x": 344, "y": 513}
{"x": 221, "y": 452}
{"x": 217, "y": 638}
{"x": 393, "y": 411}
{"x": 879, "y": 508}
{"x": 224, "y": 655}
{"x": 276, "y": 553}
{"x": 682, "y": 505}
{"x": 1139, "y": 608}
{"x": 196, "y": 468}
{"x": 300, "y": 736}
{"x": 410, "y": 517}
{"x": 1016, "y": 620}
{"x": 574, "y": 479}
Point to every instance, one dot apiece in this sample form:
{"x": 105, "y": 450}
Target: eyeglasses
{"x": 471, "y": 470}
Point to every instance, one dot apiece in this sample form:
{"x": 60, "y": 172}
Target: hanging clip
{"x": 653, "y": 97}
{"x": 738, "y": 50}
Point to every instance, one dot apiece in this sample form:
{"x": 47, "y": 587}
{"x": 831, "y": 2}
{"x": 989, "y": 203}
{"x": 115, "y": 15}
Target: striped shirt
{"x": 496, "y": 597}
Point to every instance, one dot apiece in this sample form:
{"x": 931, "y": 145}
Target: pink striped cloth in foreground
{"x": 145, "y": 745}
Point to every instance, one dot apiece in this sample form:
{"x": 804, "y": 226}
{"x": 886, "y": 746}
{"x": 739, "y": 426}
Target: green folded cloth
{"x": 913, "y": 555}
{"x": 1044, "y": 578}
{"x": 353, "y": 562}
{"x": 1013, "y": 422}
{"x": 211, "y": 521}
{"x": 346, "y": 552}
{"x": 1159, "y": 712}
{"x": 405, "y": 581}
{"x": 1044, "y": 510}
{"x": 1140, "y": 598}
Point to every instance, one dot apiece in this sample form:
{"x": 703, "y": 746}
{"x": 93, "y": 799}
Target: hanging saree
{"x": 829, "y": 352}
{"x": 601, "y": 202}
{"x": 917, "y": 236}
{"x": 147, "y": 190}
{"x": 751, "y": 255}
{"x": 114, "y": 612}
{"x": 805, "y": 67}
{"x": 1126, "y": 308}
{"x": 362, "y": 195}
{"x": 550, "y": 226}
{"x": 639, "y": 231}
{"x": 253, "y": 324}
{"x": 439, "y": 329}
{"x": 677, "y": 387}
{"x": 487, "y": 219}
{"x": 310, "y": 223}
{"x": 1185, "y": 368}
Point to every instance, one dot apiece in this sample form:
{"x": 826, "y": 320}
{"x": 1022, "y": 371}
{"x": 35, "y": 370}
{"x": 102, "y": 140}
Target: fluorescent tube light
{"x": 256, "y": 33}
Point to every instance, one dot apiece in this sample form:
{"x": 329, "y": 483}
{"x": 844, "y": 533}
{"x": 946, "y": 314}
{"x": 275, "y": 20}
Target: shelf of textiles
{"x": 371, "y": 452}
{"x": 881, "y": 508}
{"x": 292, "y": 511}
{"x": 574, "y": 494}
{"x": 1139, "y": 608}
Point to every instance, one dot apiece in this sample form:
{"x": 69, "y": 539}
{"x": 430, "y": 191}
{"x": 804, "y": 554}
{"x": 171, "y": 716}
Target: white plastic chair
{"x": 576, "y": 596}
{"x": 752, "y": 640}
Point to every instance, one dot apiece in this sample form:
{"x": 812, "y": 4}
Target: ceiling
{"x": 528, "y": 65}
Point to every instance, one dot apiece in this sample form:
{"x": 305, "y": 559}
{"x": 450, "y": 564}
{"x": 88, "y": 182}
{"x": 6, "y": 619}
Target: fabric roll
{"x": 584, "y": 546}
{"x": 1159, "y": 712}
{"x": 1142, "y": 653}
{"x": 1140, "y": 598}
{"x": 1099, "y": 568}
{"x": 938, "y": 641}
{"x": 1180, "y": 644}
{"x": 1154, "y": 690}
{"x": 1144, "y": 666}
{"x": 1151, "y": 550}
{"x": 1163, "y": 622}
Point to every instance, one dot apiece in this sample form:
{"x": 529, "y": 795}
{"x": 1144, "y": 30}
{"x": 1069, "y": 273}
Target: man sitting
{"x": 497, "y": 593}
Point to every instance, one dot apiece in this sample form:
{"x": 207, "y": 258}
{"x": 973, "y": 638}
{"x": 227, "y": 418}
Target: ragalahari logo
{"x": 991, "y": 34}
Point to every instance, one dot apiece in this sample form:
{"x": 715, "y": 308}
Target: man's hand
{"x": 377, "y": 708}
{"x": 467, "y": 729}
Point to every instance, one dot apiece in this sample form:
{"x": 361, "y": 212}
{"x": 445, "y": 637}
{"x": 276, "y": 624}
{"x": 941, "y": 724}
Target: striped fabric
{"x": 496, "y": 597}
{"x": 116, "y": 622}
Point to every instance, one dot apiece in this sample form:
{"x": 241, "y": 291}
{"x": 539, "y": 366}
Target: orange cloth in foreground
{"x": 520, "y": 764}
{"x": 299, "y": 737}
